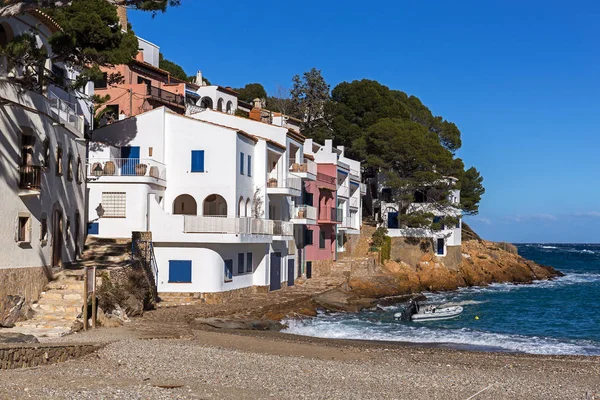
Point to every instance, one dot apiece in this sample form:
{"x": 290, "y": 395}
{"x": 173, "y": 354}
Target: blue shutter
{"x": 249, "y": 265}
{"x": 93, "y": 228}
{"x": 249, "y": 165}
{"x": 242, "y": 163}
{"x": 240, "y": 263}
{"x": 197, "y": 160}
{"x": 393, "y": 220}
{"x": 180, "y": 271}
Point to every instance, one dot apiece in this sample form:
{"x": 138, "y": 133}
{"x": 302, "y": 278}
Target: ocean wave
{"x": 399, "y": 332}
{"x": 549, "y": 247}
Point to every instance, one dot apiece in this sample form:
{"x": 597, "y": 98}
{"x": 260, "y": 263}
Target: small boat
{"x": 417, "y": 313}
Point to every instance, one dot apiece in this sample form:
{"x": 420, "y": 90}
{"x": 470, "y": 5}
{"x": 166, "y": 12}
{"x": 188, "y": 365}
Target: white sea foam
{"x": 399, "y": 332}
{"x": 549, "y": 247}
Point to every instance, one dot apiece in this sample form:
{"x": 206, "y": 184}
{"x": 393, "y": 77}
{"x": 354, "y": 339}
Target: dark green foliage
{"x": 386, "y": 249}
{"x": 471, "y": 190}
{"x": 145, "y": 5}
{"x": 175, "y": 69}
{"x": 311, "y": 104}
{"x": 251, "y": 91}
{"x": 23, "y": 51}
{"x": 378, "y": 237}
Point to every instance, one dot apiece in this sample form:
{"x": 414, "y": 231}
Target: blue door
{"x": 440, "y": 247}
{"x": 131, "y": 157}
{"x": 291, "y": 273}
{"x": 275, "y": 271}
{"x": 392, "y": 220}
{"x": 180, "y": 271}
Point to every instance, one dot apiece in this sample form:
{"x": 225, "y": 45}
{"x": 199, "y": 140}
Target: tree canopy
{"x": 251, "y": 91}
{"x": 13, "y": 7}
{"x": 175, "y": 69}
{"x": 311, "y": 103}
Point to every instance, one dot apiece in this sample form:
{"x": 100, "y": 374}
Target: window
{"x": 147, "y": 82}
{"x": 308, "y": 236}
{"x": 249, "y": 266}
{"x": 458, "y": 224}
{"x": 180, "y": 271}
{"x": 59, "y": 166}
{"x": 23, "y": 228}
{"x": 101, "y": 83}
{"x": 197, "y": 161}
{"x": 308, "y": 198}
{"x": 43, "y": 228}
{"x": 114, "y": 204}
{"x": 70, "y": 166}
{"x": 27, "y": 143}
{"x": 321, "y": 239}
{"x": 228, "y": 270}
{"x": 242, "y": 163}
{"x": 58, "y": 72}
{"x": 46, "y": 154}
{"x": 249, "y": 165}
{"x": 440, "y": 247}
{"x": 111, "y": 113}
{"x": 241, "y": 263}
{"x": 79, "y": 171}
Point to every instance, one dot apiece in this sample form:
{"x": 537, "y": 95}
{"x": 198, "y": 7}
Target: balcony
{"x": 363, "y": 189}
{"x": 66, "y": 112}
{"x": 330, "y": 215}
{"x": 122, "y": 169}
{"x": 166, "y": 97}
{"x": 354, "y": 175}
{"x": 344, "y": 192}
{"x": 303, "y": 168}
{"x": 303, "y": 215}
{"x": 354, "y": 202}
{"x": 30, "y": 180}
{"x": 248, "y": 227}
{"x": 282, "y": 230}
{"x": 343, "y": 165}
{"x": 325, "y": 181}
{"x": 285, "y": 187}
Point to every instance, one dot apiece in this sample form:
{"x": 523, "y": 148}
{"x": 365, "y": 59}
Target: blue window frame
{"x": 228, "y": 270}
{"x": 180, "y": 271}
{"x": 197, "y": 160}
{"x": 93, "y": 228}
{"x": 249, "y": 265}
{"x": 241, "y": 263}
{"x": 249, "y": 165}
{"x": 242, "y": 163}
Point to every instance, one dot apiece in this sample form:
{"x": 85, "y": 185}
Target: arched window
{"x": 185, "y": 205}
{"x": 229, "y": 107}
{"x": 6, "y": 34}
{"x": 70, "y": 166}
{"x": 214, "y": 205}
{"x": 241, "y": 208}
{"x": 220, "y": 105}
{"x": 206, "y": 102}
{"x": 248, "y": 208}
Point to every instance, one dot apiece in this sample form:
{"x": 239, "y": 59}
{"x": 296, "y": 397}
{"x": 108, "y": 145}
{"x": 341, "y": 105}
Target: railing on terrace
{"x": 343, "y": 191}
{"x": 282, "y": 228}
{"x": 303, "y": 212}
{"x": 321, "y": 177}
{"x": 126, "y": 167}
{"x": 66, "y": 112}
{"x": 303, "y": 165}
{"x": 193, "y": 109}
{"x": 289, "y": 183}
{"x": 236, "y": 226}
{"x": 30, "y": 177}
{"x": 165, "y": 96}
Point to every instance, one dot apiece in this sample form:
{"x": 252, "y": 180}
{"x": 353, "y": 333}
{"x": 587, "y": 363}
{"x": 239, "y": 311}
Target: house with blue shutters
{"x": 221, "y": 195}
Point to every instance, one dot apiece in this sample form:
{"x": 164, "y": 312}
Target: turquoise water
{"x": 561, "y": 316}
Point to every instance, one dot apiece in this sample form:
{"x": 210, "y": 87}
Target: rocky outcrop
{"x": 12, "y": 310}
{"x": 238, "y": 324}
{"x": 10, "y": 338}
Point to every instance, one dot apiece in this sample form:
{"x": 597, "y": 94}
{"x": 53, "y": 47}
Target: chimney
{"x": 199, "y": 78}
{"x": 255, "y": 114}
{"x": 257, "y": 103}
{"x": 122, "y": 14}
{"x": 140, "y": 55}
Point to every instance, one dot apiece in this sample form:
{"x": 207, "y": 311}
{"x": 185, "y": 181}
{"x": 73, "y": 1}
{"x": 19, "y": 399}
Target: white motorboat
{"x": 417, "y": 313}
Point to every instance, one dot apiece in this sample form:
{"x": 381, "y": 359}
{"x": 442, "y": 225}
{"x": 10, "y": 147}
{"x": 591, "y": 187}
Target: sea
{"x": 556, "y": 317}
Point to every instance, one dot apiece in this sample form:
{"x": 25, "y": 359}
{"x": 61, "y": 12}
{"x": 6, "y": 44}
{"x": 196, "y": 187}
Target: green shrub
{"x": 386, "y": 249}
{"x": 378, "y": 238}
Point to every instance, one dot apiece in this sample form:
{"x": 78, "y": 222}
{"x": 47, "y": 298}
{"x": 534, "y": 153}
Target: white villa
{"x": 42, "y": 216}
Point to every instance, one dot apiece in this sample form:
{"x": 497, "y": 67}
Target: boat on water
{"x": 415, "y": 312}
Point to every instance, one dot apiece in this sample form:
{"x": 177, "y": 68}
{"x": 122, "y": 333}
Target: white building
{"x": 42, "y": 214}
{"x": 215, "y": 190}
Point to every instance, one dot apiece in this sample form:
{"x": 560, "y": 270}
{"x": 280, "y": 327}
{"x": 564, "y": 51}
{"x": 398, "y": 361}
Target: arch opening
{"x": 215, "y": 205}
{"x": 185, "y": 204}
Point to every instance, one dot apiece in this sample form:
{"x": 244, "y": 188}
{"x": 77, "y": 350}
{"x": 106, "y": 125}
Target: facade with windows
{"x": 43, "y": 177}
{"x": 222, "y": 196}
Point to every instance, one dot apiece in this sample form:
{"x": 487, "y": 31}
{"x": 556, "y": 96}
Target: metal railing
{"x": 303, "y": 212}
{"x": 66, "y": 112}
{"x": 303, "y": 165}
{"x": 283, "y": 228}
{"x": 193, "y": 109}
{"x": 343, "y": 191}
{"x": 321, "y": 177}
{"x": 165, "y": 96}
{"x": 30, "y": 177}
{"x": 289, "y": 183}
{"x": 236, "y": 226}
{"x": 126, "y": 167}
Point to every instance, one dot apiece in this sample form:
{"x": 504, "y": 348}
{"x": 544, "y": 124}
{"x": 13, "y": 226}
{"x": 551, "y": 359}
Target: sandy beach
{"x": 161, "y": 356}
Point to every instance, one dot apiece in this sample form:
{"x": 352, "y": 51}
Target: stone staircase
{"x": 61, "y": 303}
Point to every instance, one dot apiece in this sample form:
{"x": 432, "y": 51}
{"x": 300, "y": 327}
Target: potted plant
{"x": 301, "y": 213}
{"x": 140, "y": 169}
{"x": 272, "y": 182}
{"x": 154, "y": 172}
{"x": 97, "y": 169}
{"x": 109, "y": 168}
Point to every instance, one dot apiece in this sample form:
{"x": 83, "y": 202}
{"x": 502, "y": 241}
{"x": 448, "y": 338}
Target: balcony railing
{"x": 303, "y": 212}
{"x": 329, "y": 214}
{"x": 354, "y": 174}
{"x": 66, "y": 112}
{"x": 30, "y": 177}
{"x": 343, "y": 191}
{"x": 354, "y": 202}
{"x": 363, "y": 189}
{"x": 343, "y": 165}
{"x": 303, "y": 165}
{"x": 321, "y": 177}
{"x": 165, "y": 96}
{"x": 289, "y": 183}
{"x": 236, "y": 226}
{"x": 126, "y": 167}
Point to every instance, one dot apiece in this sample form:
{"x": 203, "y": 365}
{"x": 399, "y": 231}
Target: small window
{"x": 79, "y": 171}
{"x": 228, "y": 270}
{"x": 308, "y": 236}
{"x": 241, "y": 268}
{"x": 150, "y": 149}
{"x": 59, "y": 166}
{"x": 114, "y": 204}
{"x": 23, "y": 229}
{"x": 180, "y": 271}
{"x": 43, "y": 228}
{"x": 70, "y": 166}
{"x": 249, "y": 165}
{"x": 321, "y": 239}
{"x": 46, "y": 154}
{"x": 242, "y": 163}
{"x": 249, "y": 266}
{"x": 197, "y": 161}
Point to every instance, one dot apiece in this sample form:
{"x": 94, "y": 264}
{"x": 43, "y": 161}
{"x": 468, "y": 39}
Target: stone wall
{"x": 411, "y": 250}
{"x": 31, "y": 355}
{"x": 214, "y": 298}
{"x": 25, "y": 282}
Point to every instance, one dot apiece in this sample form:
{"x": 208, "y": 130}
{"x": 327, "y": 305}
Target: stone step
{"x": 64, "y": 309}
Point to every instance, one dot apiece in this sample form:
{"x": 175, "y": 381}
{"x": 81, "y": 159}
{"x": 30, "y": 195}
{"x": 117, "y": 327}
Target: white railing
{"x": 289, "y": 183}
{"x": 354, "y": 174}
{"x": 303, "y": 212}
{"x": 343, "y": 191}
{"x": 193, "y": 109}
{"x": 236, "y": 226}
{"x": 354, "y": 202}
{"x": 343, "y": 165}
{"x": 126, "y": 167}
{"x": 66, "y": 112}
{"x": 303, "y": 165}
{"x": 363, "y": 189}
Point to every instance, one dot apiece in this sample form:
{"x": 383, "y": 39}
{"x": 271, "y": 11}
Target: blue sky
{"x": 521, "y": 79}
